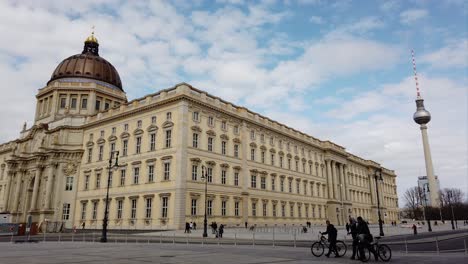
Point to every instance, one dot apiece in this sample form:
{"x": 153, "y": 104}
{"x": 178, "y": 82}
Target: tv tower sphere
{"x": 421, "y": 116}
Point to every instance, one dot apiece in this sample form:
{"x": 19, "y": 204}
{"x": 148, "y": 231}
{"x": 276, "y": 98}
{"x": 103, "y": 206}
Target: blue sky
{"x": 337, "y": 70}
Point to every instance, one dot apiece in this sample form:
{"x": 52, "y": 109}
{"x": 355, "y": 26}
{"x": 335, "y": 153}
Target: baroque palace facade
{"x": 258, "y": 170}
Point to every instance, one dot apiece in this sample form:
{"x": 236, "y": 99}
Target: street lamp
{"x": 204, "y": 178}
{"x": 426, "y": 189}
{"x": 106, "y": 218}
{"x": 450, "y": 196}
{"x": 378, "y": 177}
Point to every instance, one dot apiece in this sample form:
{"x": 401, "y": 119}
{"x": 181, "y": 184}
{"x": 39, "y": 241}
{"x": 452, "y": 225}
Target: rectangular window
{"x": 223, "y": 125}
{"x": 167, "y": 171}
{"x": 282, "y": 185}
{"x": 114, "y": 130}
{"x": 223, "y": 176}
{"x": 98, "y": 181}
{"x": 195, "y": 140}
{"x": 264, "y": 209}
{"x": 236, "y": 129}
{"x": 109, "y": 180}
{"x": 152, "y": 141}
{"x": 253, "y": 181}
{"x": 168, "y": 138}
{"x": 139, "y": 123}
{"x": 297, "y": 165}
{"x": 290, "y": 186}
{"x": 210, "y": 207}
{"x": 134, "y": 209}
{"x": 90, "y": 155}
{"x": 263, "y": 156}
{"x": 125, "y": 127}
{"x": 209, "y": 174}
{"x": 149, "y": 203}
{"x": 223, "y": 147}
{"x": 125, "y": 147}
{"x": 236, "y": 178}
{"x": 122, "y": 177}
{"x": 236, "y": 150}
{"x": 223, "y": 208}
{"x": 262, "y": 137}
{"x": 84, "y": 103}
{"x": 168, "y": 116}
{"x": 165, "y": 205}
{"x": 272, "y": 159}
{"x": 138, "y": 145}
{"x": 86, "y": 183}
{"x": 307, "y": 211}
{"x": 289, "y": 164}
{"x": 252, "y": 134}
{"x": 273, "y": 184}
{"x": 193, "y": 211}
{"x": 83, "y": 211}
{"x": 73, "y": 103}
{"x": 101, "y": 151}
{"x": 210, "y": 144}
{"x": 69, "y": 183}
{"x": 297, "y": 187}
{"x": 66, "y": 211}
{"x": 194, "y": 172}
{"x": 291, "y": 211}
{"x": 274, "y": 210}
{"x": 195, "y": 116}
{"x": 63, "y": 102}
{"x": 236, "y": 208}
{"x": 210, "y": 121}
{"x": 263, "y": 183}
{"x": 98, "y": 105}
{"x": 153, "y": 120}
{"x": 136, "y": 175}
{"x": 283, "y": 210}
{"x": 299, "y": 211}
{"x": 106, "y": 105}
{"x": 119, "y": 209}
{"x": 95, "y": 207}
{"x": 112, "y": 149}
{"x": 150, "y": 173}
{"x": 281, "y": 162}
{"x": 252, "y": 154}
{"x": 254, "y": 209}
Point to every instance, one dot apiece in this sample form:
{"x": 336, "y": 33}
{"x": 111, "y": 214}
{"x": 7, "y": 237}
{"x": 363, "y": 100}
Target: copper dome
{"x": 88, "y": 65}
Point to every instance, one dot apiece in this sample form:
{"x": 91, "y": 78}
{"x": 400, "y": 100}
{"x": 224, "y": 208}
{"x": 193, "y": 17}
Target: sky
{"x": 336, "y": 70}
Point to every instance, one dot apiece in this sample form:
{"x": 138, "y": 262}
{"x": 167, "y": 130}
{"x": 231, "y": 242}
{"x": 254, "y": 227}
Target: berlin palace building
{"x": 257, "y": 170}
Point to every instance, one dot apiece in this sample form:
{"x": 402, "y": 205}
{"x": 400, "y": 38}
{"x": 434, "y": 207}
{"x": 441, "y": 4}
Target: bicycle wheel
{"x": 384, "y": 252}
{"x": 317, "y": 249}
{"x": 367, "y": 254}
{"x": 341, "y": 248}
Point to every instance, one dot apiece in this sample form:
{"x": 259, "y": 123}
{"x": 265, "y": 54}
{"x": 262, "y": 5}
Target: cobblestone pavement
{"x": 75, "y": 252}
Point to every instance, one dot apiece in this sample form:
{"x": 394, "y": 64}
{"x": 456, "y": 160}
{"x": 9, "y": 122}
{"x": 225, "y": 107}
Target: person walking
{"x": 364, "y": 236}
{"x": 332, "y": 234}
{"x": 187, "y": 228}
{"x": 347, "y": 226}
{"x": 415, "y": 229}
{"x": 353, "y": 232}
{"x": 83, "y": 226}
{"x": 194, "y": 226}
{"x": 221, "y": 230}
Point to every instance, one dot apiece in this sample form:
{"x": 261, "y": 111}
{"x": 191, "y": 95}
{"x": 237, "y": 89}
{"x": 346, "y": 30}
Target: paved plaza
{"x": 76, "y": 252}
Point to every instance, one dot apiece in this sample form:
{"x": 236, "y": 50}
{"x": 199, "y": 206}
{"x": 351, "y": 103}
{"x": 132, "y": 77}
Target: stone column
{"x": 335, "y": 180}
{"x": 18, "y": 190}
{"x": 342, "y": 180}
{"x": 329, "y": 179}
{"x": 181, "y": 169}
{"x": 6, "y": 198}
{"x": 37, "y": 178}
{"x": 346, "y": 181}
{"x": 50, "y": 180}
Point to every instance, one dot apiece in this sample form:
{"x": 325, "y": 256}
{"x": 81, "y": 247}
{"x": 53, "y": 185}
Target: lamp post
{"x": 450, "y": 195}
{"x": 106, "y": 218}
{"x": 426, "y": 189}
{"x": 378, "y": 177}
{"x": 204, "y": 178}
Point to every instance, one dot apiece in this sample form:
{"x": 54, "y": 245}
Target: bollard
{"x": 294, "y": 238}
{"x": 235, "y": 239}
{"x": 437, "y": 245}
{"x": 466, "y": 250}
{"x": 273, "y": 237}
{"x": 173, "y": 238}
{"x": 406, "y": 246}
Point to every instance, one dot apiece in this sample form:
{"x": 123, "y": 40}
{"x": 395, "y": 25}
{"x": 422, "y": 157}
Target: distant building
{"x": 423, "y": 183}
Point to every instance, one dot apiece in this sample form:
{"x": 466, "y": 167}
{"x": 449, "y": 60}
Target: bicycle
{"x": 318, "y": 248}
{"x": 381, "y": 251}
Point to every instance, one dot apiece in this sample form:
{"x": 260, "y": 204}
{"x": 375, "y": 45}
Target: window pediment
{"x": 196, "y": 128}
{"x": 211, "y": 132}
{"x": 224, "y": 136}
{"x": 168, "y": 124}
{"x": 195, "y": 160}
{"x": 224, "y": 165}
{"x": 236, "y": 140}
{"x": 289, "y": 155}
{"x": 263, "y": 147}
{"x": 90, "y": 144}
{"x": 281, "y": 153}
{"x": 112, "y": 138}
{"x": 152, "y": 128}
{"x": 272, "y": 150}
{"x": 138, "y": 131}
{"x": 101, "y": 141}
{"x": 124, "y": 135}
{"x": 253, "y": 145}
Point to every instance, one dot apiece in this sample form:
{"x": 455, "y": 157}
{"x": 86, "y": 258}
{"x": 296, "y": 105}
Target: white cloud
{"x": 453, "y": 55}
{"x": 412, "y": 15}
{"x": 317, "y": 20}
{"x": 389, "y": 5}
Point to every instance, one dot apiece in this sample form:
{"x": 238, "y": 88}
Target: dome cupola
{"x": 88, "y": 65}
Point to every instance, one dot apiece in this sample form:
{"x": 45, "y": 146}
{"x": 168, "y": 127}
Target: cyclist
{"x": 364, "y": 237}
{"x": 332, "y": 234}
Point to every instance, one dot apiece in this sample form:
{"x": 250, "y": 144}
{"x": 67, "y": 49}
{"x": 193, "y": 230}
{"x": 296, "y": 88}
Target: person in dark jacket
{"x": 221, "y": 230}
{"x": 415, "y": 229}
{"x": 332, "y": 234}
{"x": 353, "y": 233}
{"x": 364, "y": 235}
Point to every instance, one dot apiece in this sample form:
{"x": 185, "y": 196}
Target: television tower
{"x": 422, "y": 117}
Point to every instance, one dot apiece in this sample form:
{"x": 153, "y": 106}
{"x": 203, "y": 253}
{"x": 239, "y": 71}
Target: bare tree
{"x": 413, "y": 199}
{"x": 450, "y": 196}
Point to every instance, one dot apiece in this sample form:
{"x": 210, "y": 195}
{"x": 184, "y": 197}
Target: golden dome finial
{"x": 92, "y": 38}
